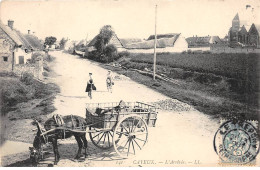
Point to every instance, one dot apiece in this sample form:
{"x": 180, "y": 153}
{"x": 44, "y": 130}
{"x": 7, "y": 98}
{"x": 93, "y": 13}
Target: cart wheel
{"x": 130, "y": 136}
{"x": 102, "y": 139}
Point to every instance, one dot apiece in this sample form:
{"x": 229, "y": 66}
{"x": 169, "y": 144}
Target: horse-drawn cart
{"x": 123, "y": 126}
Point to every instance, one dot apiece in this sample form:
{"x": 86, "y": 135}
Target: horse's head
{"x": 39, "y": 139}
{"x": 34, "y": 155}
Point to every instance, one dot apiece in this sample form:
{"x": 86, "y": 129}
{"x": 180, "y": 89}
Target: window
{"x": 5, "y": 58}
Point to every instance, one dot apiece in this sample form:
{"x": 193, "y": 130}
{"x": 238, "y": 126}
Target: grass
{"x": 16, "y": 90}
{"x": 221, "y": 85}
{"x": 228, "y": 65}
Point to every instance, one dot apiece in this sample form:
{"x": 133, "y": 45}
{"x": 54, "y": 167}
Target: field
{"x": 229, "y": 65}
{"x": 222, "y": 85}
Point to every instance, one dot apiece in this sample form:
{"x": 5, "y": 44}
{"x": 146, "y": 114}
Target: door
{"x": 21, "y": 59}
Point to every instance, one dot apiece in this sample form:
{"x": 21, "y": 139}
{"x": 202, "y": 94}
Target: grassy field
{"x": 229, "y": 65}
{"x": 221, "y": 85}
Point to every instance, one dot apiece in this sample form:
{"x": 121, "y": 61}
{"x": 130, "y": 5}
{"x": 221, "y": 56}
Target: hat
{"x": 90, "y": 73}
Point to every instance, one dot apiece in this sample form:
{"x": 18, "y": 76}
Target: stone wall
{"x": 36, "y": 69}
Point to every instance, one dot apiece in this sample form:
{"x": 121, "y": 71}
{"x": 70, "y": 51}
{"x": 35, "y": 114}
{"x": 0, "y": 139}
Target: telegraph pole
{"x": 155, "y": 40}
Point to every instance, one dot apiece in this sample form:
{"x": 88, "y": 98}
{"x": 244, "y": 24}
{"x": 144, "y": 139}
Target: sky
{"x": 78, "y": 19}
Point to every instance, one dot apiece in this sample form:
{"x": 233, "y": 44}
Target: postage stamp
{"x": 237, "y": 142}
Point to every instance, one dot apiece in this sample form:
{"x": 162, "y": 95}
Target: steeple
{"x": 236, "y": 23}
{"x": 236, "y": 18}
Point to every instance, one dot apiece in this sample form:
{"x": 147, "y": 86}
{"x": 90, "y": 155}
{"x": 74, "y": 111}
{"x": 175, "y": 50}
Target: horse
{"x": 59, "y": 128}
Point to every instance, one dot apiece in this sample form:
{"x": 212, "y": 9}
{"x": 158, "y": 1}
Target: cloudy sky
{"x": 78, "y": 19}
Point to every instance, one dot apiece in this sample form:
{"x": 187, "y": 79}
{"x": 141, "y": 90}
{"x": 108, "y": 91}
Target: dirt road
{"x": 182, "y": 138}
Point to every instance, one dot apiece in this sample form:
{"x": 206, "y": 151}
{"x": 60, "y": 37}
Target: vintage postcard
{"x": 129, "y": 83}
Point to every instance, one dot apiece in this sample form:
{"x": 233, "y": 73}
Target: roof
{"x": 93, "y": 41}
{"x": 203, "y": 40}
{"x": 243, "y": 30}
{"x": 126, "y": 41}
{"x": 11, "y": 33}
{"x": 253, "y": 29}
{"x": 26, "y": 41}
{"x": 34, "y": 41}
{"x": 149, "y": 44}
{"x": 236, "y": 17}
{"x": 159, "y": 36}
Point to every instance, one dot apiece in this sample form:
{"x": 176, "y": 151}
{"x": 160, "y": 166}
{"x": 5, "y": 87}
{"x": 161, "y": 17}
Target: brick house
{"x": 16, "y": 48}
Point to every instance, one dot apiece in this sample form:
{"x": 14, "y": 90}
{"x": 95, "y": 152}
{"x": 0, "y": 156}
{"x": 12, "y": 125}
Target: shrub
{"x": 35, "y": 56}
{"x": 124, "y": 54}
{"x": 15, "y": 93}
{"x": 27, "y": 78}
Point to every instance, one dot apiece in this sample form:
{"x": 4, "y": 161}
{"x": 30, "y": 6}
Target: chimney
{"x": 29, "y": 31}
{"x": 11, "y": 24}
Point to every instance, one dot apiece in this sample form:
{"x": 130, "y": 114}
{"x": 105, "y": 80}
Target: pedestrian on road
{"x": 109, "y": 81}
{"x": 90, "y": 86}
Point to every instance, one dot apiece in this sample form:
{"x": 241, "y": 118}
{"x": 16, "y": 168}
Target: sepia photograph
{"x": 129, "y": 83}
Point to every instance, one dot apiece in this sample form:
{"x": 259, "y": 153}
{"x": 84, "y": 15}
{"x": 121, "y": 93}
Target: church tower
{"x": 236, "y": 23}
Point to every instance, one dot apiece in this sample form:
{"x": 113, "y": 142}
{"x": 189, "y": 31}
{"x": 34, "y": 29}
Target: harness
{"x": 58, "y": 119}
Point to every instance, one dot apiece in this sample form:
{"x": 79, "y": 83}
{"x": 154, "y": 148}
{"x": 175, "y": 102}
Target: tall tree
{"x": 63, "y": 42}
{"x": 103, "y": 38}
{"x": 50, "y": 40}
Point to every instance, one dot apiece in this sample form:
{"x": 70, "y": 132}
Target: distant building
{"x": 16, "y": 48}
{"x": 239, "y": 35}
{"x": 173, "y": 42}
{"x": 199, "y": 42}
{"x": 114, "y": 40}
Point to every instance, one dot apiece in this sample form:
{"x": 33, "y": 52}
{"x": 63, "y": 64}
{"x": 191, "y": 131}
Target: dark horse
{"x": 66, "y": 127}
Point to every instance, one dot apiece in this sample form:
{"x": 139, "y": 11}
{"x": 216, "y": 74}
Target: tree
{"x": 103, "y": 38}
{"x": 110, "y": 53}
{"x": 63, "y": 42}
{"x": 50, "y": 40}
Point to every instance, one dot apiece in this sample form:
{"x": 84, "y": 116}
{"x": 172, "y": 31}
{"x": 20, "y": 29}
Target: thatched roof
{"x": 26, "y": 41}
{"x": 93, "y": 41}
{"x": 149, "y": 44}
{"x": 159, "y": 36}
{"x": 34, "y": 41}
{"x": 203, "y": 40}
{"x": 126, "y": 41}
{"x": 11, "y": 33}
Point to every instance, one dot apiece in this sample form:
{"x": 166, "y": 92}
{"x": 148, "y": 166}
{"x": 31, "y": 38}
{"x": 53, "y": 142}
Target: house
{"x": 245, "y": 35}
{"x": 114, "y": 40}
{"x": 16, "y": 48}
{"x": 173, "y": 42}
{"x": 199, "y": 42}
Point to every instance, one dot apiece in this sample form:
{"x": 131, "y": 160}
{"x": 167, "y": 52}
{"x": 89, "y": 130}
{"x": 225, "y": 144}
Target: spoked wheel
{"x": 102, "y": 139}
{"x": 130, "y": 136}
